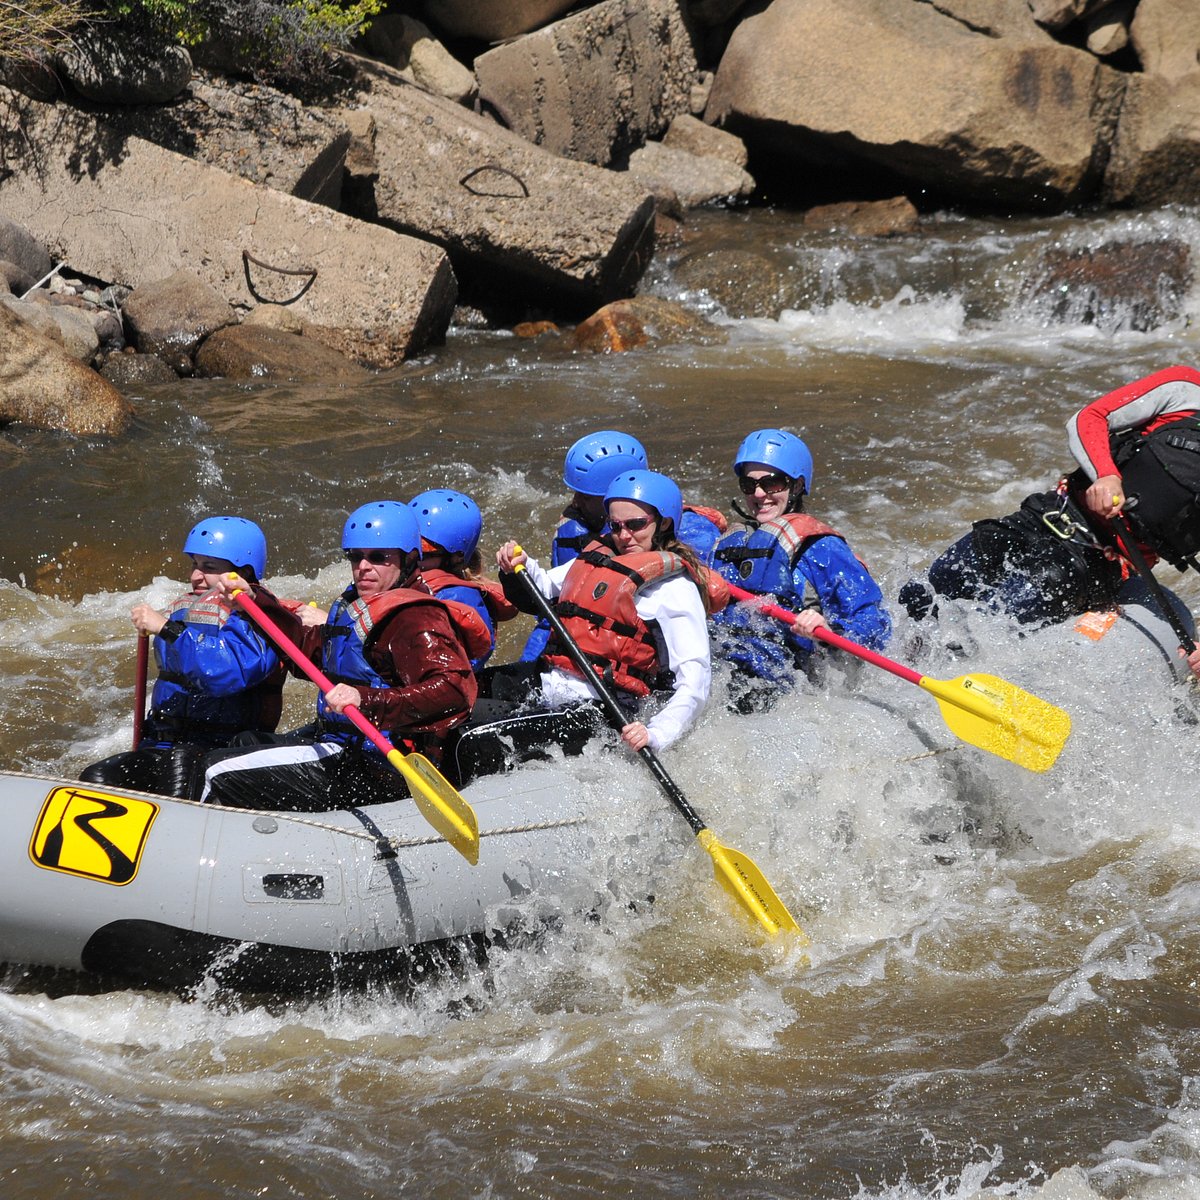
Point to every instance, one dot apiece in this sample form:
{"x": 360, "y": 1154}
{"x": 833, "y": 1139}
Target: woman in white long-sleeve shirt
{"x": 637, "y": 601}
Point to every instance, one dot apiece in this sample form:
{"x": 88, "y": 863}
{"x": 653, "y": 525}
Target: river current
{"x": 1003, "y": 991}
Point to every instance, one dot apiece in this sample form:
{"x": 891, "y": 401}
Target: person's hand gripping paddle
{"x": 991, "y": 713}
{"x": 735, "y": 871}
{"x": 440, "y": 804}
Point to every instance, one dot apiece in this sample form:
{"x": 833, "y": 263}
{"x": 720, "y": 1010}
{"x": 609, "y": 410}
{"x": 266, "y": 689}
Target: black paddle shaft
{"x": 616, "y": 714}
{"x": 1143, "y": 569}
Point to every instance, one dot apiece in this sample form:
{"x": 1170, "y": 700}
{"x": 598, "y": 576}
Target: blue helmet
{"x": 593, "y": 461}
{"x": 239, "y": 541}
{"x": 649, "y": 488}
{"x": 385, "y": 524}
{"x": 449, "y": 519}
{"x": 775, "y": 448}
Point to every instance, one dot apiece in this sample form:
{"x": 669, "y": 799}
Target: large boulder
{"x": 519, "y": 222}
{"x": 40, "y": 384}
{"x": 1108, "y": 30}
{"x": 18, "y": 247}
{"x": 694, "y": 179}
{"x": 595, "y": 85}
{"x": 133, "y": 372}
{"x": 869, "y": 218}
{"x": 121, "y": 209}
{"x": 493, "y": 20}
{"x": 170, "y": 317}
{"x": 1058, "y": 14}
{"x": 124, "y": 68}
{"x": 1156, "y": 153}
{"x": 36, "y": 316}
{"x": 829, "y": 85}
{"x": 259, "y": 352}
{"x": 406, "y": 44}
{"x": 1116, "y": 286}
{"x": 640, "y": 321}
{"x": 248, "y": 130}
{"x": 996, "y": 18}
{"x": 1166, "y": 37}
{"x": 35, "y": 76}
{"x": 72, "y": 328}
{"x": 687, "y": 133}
{"x": 742, "y": 282}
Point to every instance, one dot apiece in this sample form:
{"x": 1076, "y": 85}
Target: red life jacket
{"x": 597, "y": 606}
{"x": 498, "y": 605}
{"x": 467, "y": 623}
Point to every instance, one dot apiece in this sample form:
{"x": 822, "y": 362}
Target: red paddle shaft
{"x": 285, "y": 643}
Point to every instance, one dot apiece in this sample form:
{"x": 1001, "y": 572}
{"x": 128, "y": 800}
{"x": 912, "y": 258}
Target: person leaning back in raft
{"x": 1059, "y": 555}
{"x": 636, "y": 600}
{"x": 804, "y": 563}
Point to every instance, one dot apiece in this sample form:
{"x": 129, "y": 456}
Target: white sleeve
{"x": 550, "y": 582}
{"x": 676, "y": 605}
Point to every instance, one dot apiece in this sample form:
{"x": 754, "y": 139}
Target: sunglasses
{"x": 636, "y": 525}
{"x": 769, "y": 484}
{"x": 378, "y": 557}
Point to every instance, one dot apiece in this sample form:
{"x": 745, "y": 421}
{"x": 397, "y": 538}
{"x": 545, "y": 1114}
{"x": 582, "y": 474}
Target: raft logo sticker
{"x": 81, "y": 832}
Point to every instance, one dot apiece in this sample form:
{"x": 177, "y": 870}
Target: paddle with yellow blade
{"x": 989, "y": 712}
{"x": 735, "y": 871}
{"x": 436, "y": 797}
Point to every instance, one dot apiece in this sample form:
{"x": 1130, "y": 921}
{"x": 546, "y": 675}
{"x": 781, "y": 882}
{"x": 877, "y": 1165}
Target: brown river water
{"x": 1004, "y": 985}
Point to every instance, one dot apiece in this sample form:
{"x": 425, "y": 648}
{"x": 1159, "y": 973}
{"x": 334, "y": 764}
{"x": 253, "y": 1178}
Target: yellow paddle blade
{"x": 742, "y": 879}
{"x": 440, "y": 804}
{"x": 1003, "y": 719}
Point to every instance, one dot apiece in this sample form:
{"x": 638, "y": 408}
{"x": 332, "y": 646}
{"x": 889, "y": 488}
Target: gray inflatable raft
{"x": 151, "y": 890}
{"x": 1134, "y": 640}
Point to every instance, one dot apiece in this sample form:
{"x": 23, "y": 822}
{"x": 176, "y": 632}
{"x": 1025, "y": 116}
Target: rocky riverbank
{"x": 515, "y": 160}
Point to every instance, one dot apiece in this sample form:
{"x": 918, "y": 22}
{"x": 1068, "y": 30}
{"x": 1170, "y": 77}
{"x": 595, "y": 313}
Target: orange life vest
{"x": 597, "y": 606}
{"x": 468, "y": 624}
{"x": 499, "y": 606}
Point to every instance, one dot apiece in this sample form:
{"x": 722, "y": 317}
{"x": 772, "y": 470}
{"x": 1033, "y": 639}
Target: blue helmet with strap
{"x": 650, "y": 488}
{"x": 383, "y": 524}
{"x": 596, "y": 458}
{"x": 235, "y": 539}
{"x": 449, "y": 519}
{"x": 776, "y": 448}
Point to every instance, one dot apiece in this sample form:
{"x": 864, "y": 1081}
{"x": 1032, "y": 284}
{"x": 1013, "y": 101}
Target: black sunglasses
{"x": 635, "y": 525}
{"x": 770, "y": 484}
{"x": 378, "y": 557}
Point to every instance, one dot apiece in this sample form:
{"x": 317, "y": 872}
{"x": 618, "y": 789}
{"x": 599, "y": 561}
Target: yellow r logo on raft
{"x": 86, "y": 833}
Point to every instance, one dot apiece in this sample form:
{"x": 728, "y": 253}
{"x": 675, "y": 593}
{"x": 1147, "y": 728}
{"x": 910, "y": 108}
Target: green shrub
{"x": 280, "y": 41}
{"x": 32, "y": 27}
